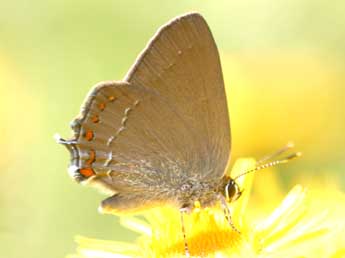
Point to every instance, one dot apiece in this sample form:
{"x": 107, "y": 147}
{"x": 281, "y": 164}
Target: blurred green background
{"x": 283, "y": 65}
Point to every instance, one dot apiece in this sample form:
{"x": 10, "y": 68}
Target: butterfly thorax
{"x": 205, "y": 192}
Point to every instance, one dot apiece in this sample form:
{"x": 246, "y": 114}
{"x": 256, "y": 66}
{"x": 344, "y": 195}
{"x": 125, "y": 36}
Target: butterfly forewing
{"x": 166, "y": 122}
{"x": 182, "y": 64}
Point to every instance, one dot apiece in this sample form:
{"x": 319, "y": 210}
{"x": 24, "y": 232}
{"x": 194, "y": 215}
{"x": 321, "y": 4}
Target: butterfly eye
{"x": 232, "y": 191}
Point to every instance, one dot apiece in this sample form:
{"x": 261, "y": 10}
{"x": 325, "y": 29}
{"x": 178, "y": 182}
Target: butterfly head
{"x": 232, "y": 190}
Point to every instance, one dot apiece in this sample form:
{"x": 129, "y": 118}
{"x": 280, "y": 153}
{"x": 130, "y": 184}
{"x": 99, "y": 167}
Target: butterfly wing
{"x": 182, "y": 64}
{"x": 166, "y": 122}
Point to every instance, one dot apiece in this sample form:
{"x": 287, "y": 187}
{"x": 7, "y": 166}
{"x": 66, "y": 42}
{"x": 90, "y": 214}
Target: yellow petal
{"x": 136, "y": 225}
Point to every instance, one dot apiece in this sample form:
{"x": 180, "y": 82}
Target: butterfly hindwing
{"x": 141, "y": 138}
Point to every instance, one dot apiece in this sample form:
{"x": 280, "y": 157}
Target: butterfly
{"x": 162, "y": 134}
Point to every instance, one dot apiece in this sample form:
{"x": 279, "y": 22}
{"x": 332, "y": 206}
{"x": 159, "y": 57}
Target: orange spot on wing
{"x": 89, "y": 135}
{"x": 101, "y": 106}
{"x": 86, "y": 172}
{"x": 92, "y": 157}
{"x": 95, "y": 119}
{"x": 111, "y": 98}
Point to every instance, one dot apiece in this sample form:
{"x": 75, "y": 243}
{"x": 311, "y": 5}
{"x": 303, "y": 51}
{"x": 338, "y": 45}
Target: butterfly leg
{"x": 186, "y": 249}
{"x": 227, "y": 213}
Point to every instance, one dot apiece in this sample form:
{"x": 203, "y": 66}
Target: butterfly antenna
{"x": 288, "y": 146}
{"x": 271, "y": 164}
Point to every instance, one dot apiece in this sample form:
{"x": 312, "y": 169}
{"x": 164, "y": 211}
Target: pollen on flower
{"x": 207, "y": 232}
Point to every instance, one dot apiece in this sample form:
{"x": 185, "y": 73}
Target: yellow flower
{"x": 301, "y": 226}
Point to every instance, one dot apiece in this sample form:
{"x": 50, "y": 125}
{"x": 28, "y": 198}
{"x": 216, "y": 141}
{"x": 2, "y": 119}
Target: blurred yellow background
{"x": 283, "y": 63}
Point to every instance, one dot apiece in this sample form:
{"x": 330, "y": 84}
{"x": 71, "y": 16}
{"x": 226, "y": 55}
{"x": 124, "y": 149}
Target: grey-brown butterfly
{"x": 162, "y": 134}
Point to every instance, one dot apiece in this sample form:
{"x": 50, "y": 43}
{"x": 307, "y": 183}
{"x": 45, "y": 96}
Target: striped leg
{"x": 227, "y": 213}
{"x": 186, "y": 249}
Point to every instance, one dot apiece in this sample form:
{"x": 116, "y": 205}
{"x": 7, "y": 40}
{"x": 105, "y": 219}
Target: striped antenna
{"x": 271, "y": 164}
